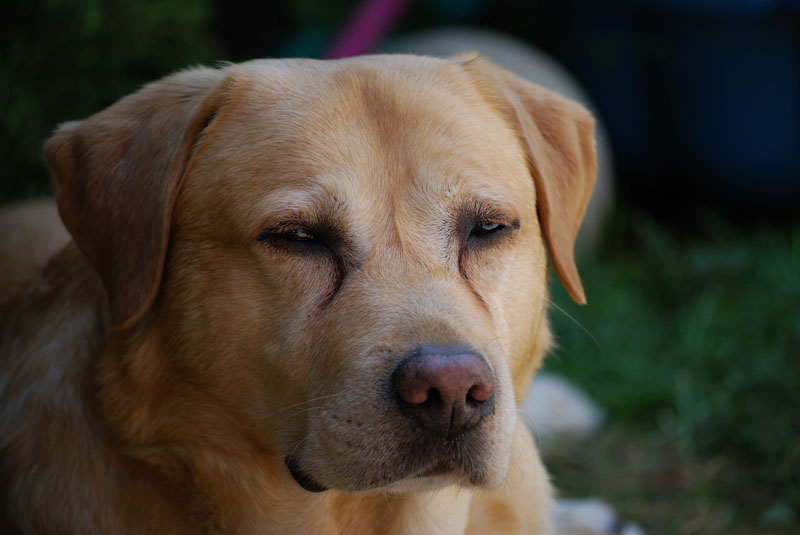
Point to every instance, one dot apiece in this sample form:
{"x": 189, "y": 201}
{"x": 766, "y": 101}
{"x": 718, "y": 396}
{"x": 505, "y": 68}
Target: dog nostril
{"x": 480, "y": 393}
{"x": 416, "y": 396}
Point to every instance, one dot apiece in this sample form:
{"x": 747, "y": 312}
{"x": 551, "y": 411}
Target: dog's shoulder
{"x": 47, "y": 346}
{"x": 31, "y": 233}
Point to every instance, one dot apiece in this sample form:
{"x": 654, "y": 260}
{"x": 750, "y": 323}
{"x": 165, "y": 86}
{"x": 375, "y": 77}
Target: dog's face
{"x": 351, "y": 265}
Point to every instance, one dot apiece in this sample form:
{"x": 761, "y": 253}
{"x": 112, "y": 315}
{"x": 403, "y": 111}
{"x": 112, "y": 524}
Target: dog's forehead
{"x": 362, "y": 127}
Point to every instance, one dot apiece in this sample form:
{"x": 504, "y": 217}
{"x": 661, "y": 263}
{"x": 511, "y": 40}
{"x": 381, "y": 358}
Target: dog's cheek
{"x": 238, "y": 322}
{"x": 291, "y": 295}
{"x": 527, "y": 297}
{"x": 510, "y": 281}
{"x": 489, "y": 272}
{"x": 525, "y": 301}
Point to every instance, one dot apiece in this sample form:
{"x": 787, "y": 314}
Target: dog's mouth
{"x": 303, "y": 479}
{"x": 307, "y": 482}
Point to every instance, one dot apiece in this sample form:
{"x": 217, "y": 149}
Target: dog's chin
{"x": 433, "y": 477}
{"x": 436, "y": 476}
{"x": 406, "y": 461}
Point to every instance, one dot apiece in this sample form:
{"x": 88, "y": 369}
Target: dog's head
{"x": 340, "y": 261}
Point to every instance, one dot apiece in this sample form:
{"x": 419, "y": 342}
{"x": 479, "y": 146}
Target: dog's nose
{"x": 446, "y": 390}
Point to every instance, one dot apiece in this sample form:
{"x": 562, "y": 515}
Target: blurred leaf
{"x": 66, "y": 59}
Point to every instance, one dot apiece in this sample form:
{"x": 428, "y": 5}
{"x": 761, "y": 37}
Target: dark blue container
{"x": 704, "y": 90}
{"x": 737, "y": 105}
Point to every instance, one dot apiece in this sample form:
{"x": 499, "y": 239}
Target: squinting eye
{"x": 487, "y": 227}
{"x": 300, "y": 234}
{"x": 296, "y": 234}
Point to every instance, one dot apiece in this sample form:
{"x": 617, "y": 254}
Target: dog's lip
{"x": 438, "y": 468}
{"x": 303, "y": 479}
{"x": 442, "y": 467}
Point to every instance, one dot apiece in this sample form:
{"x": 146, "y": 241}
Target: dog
{"x": 300, "y": 297}
{"x": 30, "y": 233}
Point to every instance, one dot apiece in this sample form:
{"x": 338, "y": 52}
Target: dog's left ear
{"x": 117, "y": 176}
{"x": 558, "y": 137}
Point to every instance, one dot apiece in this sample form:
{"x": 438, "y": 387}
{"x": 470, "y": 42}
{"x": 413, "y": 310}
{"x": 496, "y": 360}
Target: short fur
{"x": 160, "y": 370}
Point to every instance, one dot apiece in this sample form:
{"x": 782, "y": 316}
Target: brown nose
{"x": 447, "y": 390}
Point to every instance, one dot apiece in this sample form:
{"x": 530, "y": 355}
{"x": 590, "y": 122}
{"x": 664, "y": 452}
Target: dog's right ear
{"x": 117, "y": 175}
{"x": 557, "y": 135}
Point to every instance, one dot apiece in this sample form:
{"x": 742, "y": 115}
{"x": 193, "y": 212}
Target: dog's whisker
{"x": 485, "y": 346}
{"x": 312, "y": 400}
{"x": 296, "y": 446}
{"x": 388, "y": 502}
{"x": 533, "y": 429}
{"x": 300, "y": 411}
{"x": 573, "y": 320}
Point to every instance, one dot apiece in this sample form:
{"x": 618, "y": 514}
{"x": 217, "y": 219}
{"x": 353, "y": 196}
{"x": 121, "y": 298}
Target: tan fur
{"x": 159, "y": 371}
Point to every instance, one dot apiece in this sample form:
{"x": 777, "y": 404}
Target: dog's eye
{"x": 485, "y": 228}
{"x": 293, "y": 238}
{"x": 296, "y": 234}
{"x": 300, "y": 234}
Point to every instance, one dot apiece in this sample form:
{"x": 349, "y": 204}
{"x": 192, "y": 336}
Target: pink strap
{"x": 371, "y": 21}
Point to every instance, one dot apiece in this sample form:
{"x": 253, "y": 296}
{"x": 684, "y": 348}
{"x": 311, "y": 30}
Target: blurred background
{"x": 691, "y": 262}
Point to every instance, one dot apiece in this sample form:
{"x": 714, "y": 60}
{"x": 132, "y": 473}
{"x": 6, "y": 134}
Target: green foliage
{"x": 65, "y": 59}
{"x": 698, "y": 342}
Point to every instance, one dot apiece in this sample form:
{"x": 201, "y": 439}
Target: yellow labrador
{"x": 301, "y": 297}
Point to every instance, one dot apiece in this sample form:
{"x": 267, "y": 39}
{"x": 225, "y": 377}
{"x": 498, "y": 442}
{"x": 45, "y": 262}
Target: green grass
{"x": 695, "y": 358}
